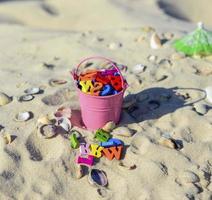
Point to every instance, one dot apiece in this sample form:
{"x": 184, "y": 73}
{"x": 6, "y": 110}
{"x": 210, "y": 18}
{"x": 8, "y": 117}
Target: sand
{"x": 41, "y": 40}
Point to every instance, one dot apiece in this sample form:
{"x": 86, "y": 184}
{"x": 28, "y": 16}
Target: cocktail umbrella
{"x": 199, "y": 42}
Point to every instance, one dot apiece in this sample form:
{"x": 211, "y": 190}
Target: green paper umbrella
{"x": 199, "y": 42}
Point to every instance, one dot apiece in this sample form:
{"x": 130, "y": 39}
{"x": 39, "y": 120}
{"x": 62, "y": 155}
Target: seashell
{"x": 7, "y": 138}
{"x": 109, "y": 126}
{"x": 4, "y": 99}
{"x": 55, "y": 82}
{"x": 177, "y": 56}
{"x": 167, "y": 141}
{"x": 48, "y": 131}
{"x": 23, "y": 116}
{"x": 152, "y": 58}
{"x": 97, "y": 177}
{"x": 122, "y": 131}
{"x": 155, "y": 41}
{"x": 114, "y": 46}
{"x": 64, "y": 123}
{"x": 34, "y": 90}
{"x": 63, "y": 112}
{"x": 208, "y": 91}
{"x": 188, "y": 177}
{"x": 79, "y": 171}
{"x": 200, "y": 108}
{"x": 44, "y": 120}
{"x": 138, "y": 68}
{"x": 27, "y": 97}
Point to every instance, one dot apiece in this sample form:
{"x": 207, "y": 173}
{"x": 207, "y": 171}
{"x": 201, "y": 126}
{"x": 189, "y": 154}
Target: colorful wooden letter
{"x": 102, "y": 79}
{"x": 96, "y": 88}
{"x": 88, "y": 161}
{"x": 86, "y": 85}
{"x": 102, "y": 136}
{"x": 107, "y": 90}
{"x": 112, "y": 152}
{"x": 73, "y": 140}
{"x": 116, "y": 82}
{"x": 111, "y": 142}
{"x": 89, "y": 75}
{"x": 84, "y": 149}
{"x": 96, "y": 150}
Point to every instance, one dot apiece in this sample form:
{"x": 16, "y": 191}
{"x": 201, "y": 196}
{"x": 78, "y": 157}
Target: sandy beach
{"x": 44, "y": 40}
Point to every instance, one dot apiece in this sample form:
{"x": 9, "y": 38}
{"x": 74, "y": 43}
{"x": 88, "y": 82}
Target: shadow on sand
{"x": 156, "y": 102}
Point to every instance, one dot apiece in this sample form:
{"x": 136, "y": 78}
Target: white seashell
{"x": 27, "y": 97}
{"x": 200, "y": 108}
{"x": 97, "y": 177}
{"x": 55, "y": 82}
{"x": 64, "y": 123}
{"x": 152, "y": 58}
{"x": 208, "y": 91}
{"x": 34, "y": 90}
{"x": 138, "y": 68}
{"x": 114, "y": 46}
{"x": 109, "y": 126}
{"x": 188, "y": 177}
{"x": 23, "y": 116}
{"x": 4, "y": 99}
{"x": 47, "y": 131}
{"x": 122, "y": 131}
{"x": 155, "y": 41}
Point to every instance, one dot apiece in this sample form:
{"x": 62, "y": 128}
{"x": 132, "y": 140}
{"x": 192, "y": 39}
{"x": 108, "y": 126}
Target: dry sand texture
{"x": 41, "y": 40}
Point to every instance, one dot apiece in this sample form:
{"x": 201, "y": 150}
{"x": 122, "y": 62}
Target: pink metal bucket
{"x": 96, "y": 111}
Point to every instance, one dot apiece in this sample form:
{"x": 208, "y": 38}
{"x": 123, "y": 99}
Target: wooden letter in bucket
{"x": 96, "y": 89}
{"x": 86, "y": 85}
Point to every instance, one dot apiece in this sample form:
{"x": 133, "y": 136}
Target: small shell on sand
{"x": 155, "y": 41}
{"x": 7, "y": 138}
{"x": 200, "y": 108}
{"x": 208, "y": 91}
{"x": 97, "y": 177}
{"x": 27, "y": 97}
{"x": 138, "y": 68}
{"x": 167, "y": 142}
{"x": 188, "y": 177}
{"x": 23, "y": 116}
{"x": 47, "y": 131}
{"x": 79, "y": 171}
{"x": 55, "y": 82}
{"x": 4, "y": 99}
{"x": 44, "y": 120}
{"x": 34, "y": 90}
{"x": 114, "y": 46}
{"x": 109, "y": 126}
{"x": 152, "y": 58}
{"x": 122, "y": 131}
{"x": 64, "y": 123}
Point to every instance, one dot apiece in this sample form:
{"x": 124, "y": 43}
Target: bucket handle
{"x": 75, "y": 71}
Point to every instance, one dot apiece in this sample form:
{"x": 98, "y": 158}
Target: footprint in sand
{"x": 44, "y": 149}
